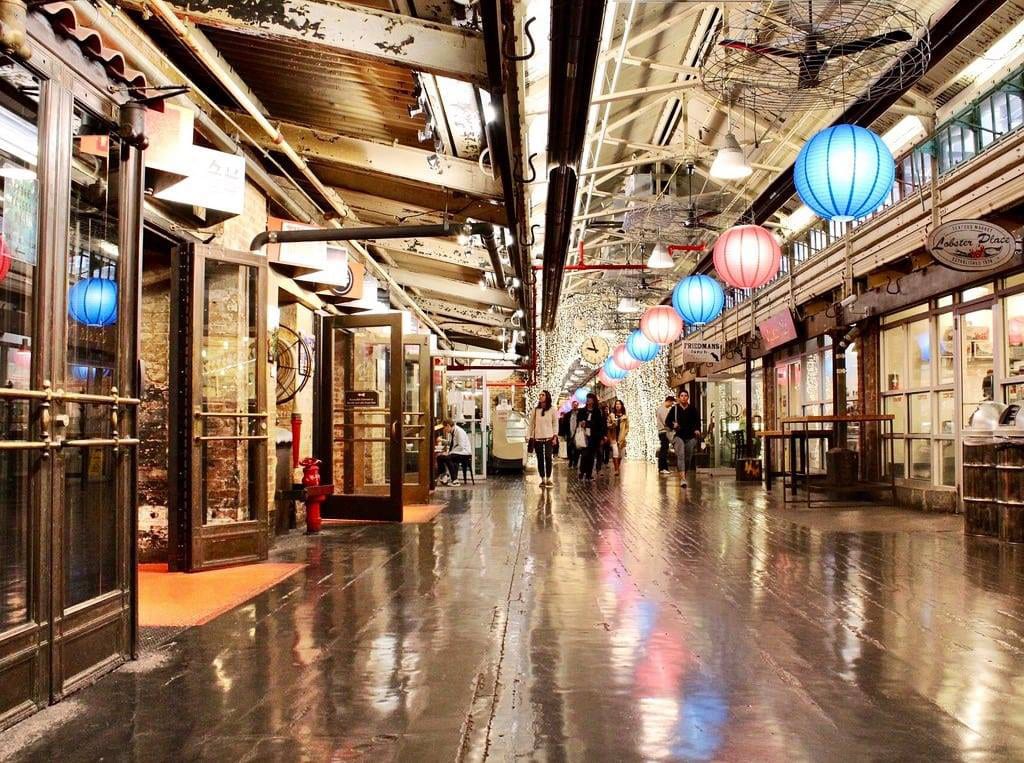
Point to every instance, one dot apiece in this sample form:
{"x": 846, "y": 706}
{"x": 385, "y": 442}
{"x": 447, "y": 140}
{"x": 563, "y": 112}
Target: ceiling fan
{"x": 694, "y": 217}
{"x": 814, "y": 55}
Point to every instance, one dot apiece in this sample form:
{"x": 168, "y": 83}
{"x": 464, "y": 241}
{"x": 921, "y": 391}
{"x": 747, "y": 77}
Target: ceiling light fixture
{"x": 627, "y": 306}
{"x": 730, "y": 162}
{"x": 660, "y": 258}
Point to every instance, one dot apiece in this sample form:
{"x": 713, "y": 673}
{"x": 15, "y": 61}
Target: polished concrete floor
{"x": 623, "y": 620}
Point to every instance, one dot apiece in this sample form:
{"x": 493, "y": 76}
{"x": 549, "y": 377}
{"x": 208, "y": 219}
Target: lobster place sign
{"x": 971, "y": 245}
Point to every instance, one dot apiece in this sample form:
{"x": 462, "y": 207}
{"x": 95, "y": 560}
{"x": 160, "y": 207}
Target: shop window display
{"x": 19, "y": 215}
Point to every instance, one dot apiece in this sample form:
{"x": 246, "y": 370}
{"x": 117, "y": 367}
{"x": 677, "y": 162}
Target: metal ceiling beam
{"x": 641, "y": 92}
{"x": 389, "y": 37}
{"x": 458, "y": 290}
{"x": 415, "y": 164}
{"x": 448, "y": 310}
{"x": 437, "y": 249}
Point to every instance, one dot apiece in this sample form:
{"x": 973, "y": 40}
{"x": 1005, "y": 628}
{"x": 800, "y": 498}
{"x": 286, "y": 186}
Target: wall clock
{"x": 595, "y": 350}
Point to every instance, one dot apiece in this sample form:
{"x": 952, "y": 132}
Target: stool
{"x": 466, "y": 462}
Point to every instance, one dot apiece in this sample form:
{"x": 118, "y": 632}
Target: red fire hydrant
{"x": 311, "y": 479}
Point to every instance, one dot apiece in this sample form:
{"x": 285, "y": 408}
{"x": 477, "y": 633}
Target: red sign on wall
{"x": 777, "y": 330}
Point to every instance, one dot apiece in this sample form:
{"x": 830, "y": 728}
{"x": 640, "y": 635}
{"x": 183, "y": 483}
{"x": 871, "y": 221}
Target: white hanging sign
{"x": 971, "y": 245}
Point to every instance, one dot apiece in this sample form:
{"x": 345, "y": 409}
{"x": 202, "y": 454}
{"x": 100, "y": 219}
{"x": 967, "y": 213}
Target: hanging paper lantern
{"x": 747, "y": 256}
{"x": 6, "y": 258}
{"x": 606, "y": 380}
{"x": 613, "y": 371}
{"x": 661, "y": 325}
{"x": 698, "y": 299}
{"x": 642, "y": 348}
{"x": 93, "y": 302}
{"x": 844, "y": 172}
{"x": 625, "y": 361}
{"x": 581, "y": 395}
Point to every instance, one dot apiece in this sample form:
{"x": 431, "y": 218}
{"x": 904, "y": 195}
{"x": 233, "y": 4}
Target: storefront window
{"x": 947, "y": 409}
{"x": 920, "y": 355}
{"x": 852, "y": 378}
{"x": 947, "y": 363}
{"x": 19, "y": 224}
{"x": 920, "y": 460}
{"x": 978, "y": 375}
{"x": 921, "y": 413}
{"x": 1013, "y": 313}
{"x": 969, "y": 295}
{"x": 894, "y": 353}
{"x": 896, "y": 405}
{"x": 90, "y": 532}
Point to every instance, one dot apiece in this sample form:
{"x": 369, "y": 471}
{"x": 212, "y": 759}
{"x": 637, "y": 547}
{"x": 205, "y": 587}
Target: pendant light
{"x": 93, "y": 302}
{"x": 642, "y": 348}
{"x": 844, "y": 173}
{"x": 662, "y": 325}
{"x": 747, "y": 256}
{"x": 698, "y": 299}
{"x": 660, "y": 259}
{"x": 730, "y": 161}
{"x": 625, "y": 361}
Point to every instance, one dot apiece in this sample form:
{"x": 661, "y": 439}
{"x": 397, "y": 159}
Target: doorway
{"x": 374, "y": 425}
{"x": 67, "y": 357}
{"x": 218, "y": 410}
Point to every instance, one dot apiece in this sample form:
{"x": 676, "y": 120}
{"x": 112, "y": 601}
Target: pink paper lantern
{"x": 625, "y": 361}
{"x": 662, "y": 324}
{"x": 747, "y": 256}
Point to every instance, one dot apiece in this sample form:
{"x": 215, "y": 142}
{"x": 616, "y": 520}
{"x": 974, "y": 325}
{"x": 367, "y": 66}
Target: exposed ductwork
{"x": 13, "y": 34}
{"x": 575, "y": 44}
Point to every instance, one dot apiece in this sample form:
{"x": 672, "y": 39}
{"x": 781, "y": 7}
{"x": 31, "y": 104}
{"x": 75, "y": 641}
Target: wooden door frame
{"x": 420, "y": 492}
{"x": 382, "y": 508}
{"x": 191, "y": 542}
{"x": 60, "y": 649}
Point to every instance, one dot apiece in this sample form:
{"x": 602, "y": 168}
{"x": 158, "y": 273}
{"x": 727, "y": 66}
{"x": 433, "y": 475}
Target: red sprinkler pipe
{"x": 581, "y": 263}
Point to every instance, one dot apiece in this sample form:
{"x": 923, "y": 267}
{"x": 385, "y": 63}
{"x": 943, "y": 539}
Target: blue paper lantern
{"x": 93, "y": 302}
{"x": 580, "y": 395}
{"x": 844, "y": 172}
{"x": 699, "y": 299}
{"x": 642, "y": 348}
{"x": 614, "y": 371}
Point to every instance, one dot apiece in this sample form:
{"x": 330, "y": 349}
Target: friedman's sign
{"x": 971, "y": 245}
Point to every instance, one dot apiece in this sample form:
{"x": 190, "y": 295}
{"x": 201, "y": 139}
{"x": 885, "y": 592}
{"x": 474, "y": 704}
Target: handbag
{"x": 615, "y": 449}
{"x": 580, "y": 436}
{"x": 530, "y": 446}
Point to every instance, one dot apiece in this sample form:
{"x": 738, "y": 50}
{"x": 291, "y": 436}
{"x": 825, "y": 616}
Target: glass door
{"x": 221, "y": 408}
{"x": 360, "y": 436}
{"x": 417, "y": 443}
{"x": 68, "y": 228}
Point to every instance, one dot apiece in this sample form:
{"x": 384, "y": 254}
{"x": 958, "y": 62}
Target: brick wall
{"x": 154, "y": 346}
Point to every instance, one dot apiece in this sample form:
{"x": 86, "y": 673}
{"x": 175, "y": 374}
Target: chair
{"x": 466, "y": 462}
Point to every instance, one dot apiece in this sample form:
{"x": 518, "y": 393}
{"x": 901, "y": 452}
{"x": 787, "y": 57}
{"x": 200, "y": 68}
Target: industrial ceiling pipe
{"x": 575, "y": 44}
{"x": 491, "y": 243}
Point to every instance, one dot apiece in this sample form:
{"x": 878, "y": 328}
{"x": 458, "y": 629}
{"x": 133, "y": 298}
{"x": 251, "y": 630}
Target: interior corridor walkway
{"x": 619, "y": 621}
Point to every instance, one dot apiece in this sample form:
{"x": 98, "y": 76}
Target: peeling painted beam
{"x": 394, "y": 38}
{"x": 439, "y": 249}
{"x": 452, "y": 289}
{"x": 403, "y": 162}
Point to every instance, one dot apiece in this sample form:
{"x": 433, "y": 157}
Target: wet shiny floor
{"x": 624, "y": 620}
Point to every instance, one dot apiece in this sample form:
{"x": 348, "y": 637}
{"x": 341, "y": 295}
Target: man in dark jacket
{"x": 591, "y": 421}
{"x": 570, "y": 430}
{"x": 684, "y": 422}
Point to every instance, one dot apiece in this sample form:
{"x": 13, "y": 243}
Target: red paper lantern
{"x": 662, "y": 324}
{"x": 6, "y": 259}
{"x": 625, "y": 361}
{"x": 747, "y": 256}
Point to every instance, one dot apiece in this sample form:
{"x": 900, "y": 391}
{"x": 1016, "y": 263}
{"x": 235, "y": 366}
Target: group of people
{"x": 595, "y": 435}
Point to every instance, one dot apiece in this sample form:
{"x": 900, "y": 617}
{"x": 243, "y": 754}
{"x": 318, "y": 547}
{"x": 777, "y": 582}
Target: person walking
{"x": 684, "y": 422}
{"x": 590, "y": 433}
{"x": 572, "y": 449}
{"x": 604, "y": 452}
{"x": 543, "y": 436}
{"x": 564, "y": 432}
{"x": 618, "y": 430}
{"x": 664, "y": 434}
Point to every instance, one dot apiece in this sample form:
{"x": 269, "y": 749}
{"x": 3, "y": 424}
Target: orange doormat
{"x": 181, "y": 598}
{"x": 417, "y": 514}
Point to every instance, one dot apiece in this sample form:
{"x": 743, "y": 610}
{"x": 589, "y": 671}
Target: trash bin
{"x": 1010, "y": 474}
{"x": 981, "y": 507}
